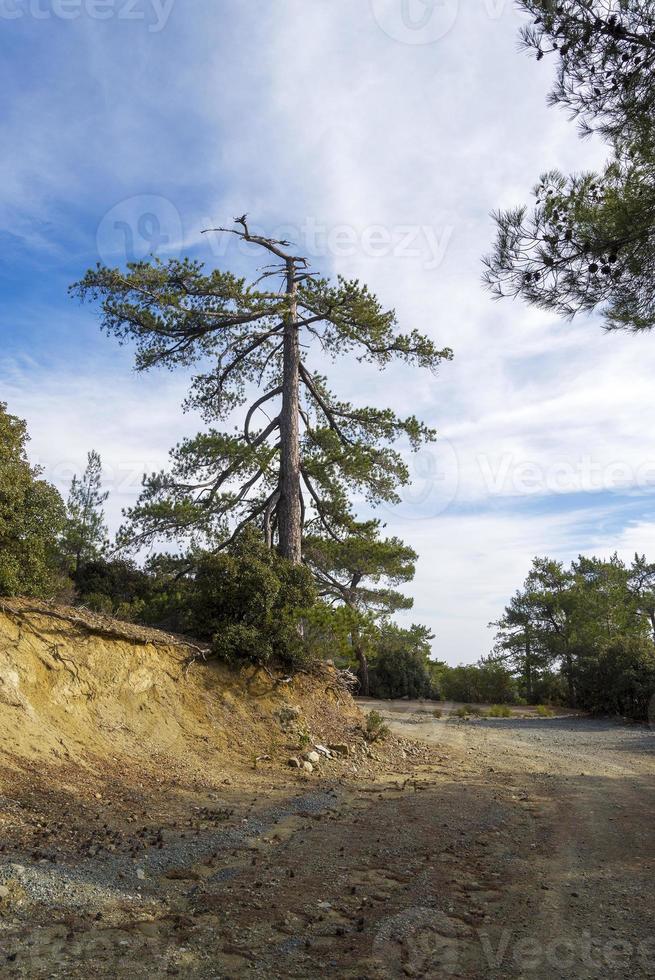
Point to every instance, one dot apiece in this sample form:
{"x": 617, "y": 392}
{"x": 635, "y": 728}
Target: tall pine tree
{"x": 314, "y": 451}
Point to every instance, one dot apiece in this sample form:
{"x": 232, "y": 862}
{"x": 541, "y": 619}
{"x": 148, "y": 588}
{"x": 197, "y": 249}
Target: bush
{"x": 543, "y": 711}
{"x": 376, "y": 728}
{"x": 399, "y": 666}
{"x": 31, "y": 518}
{"x": 499, "y": 711}
{"x": 114, "y": 586}
{"x": 619, "y": 679}
{"x": 466, "y": 711}
{"x": 249, "y": 603}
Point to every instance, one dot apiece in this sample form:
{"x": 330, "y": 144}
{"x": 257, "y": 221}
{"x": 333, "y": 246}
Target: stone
{"x": 288, "y": 713}
{"x": 294, "y": 762}
{"x": 140, "y": 873}
{"x": 312, "y": 757}
{"x": 322, "y": 750}
{"x": 340, "y": 748}
{"x": 4, "y": 892}
{"x": 307, "y": 766}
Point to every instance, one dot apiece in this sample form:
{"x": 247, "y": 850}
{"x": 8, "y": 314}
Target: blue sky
{"x": 380, "y": 145}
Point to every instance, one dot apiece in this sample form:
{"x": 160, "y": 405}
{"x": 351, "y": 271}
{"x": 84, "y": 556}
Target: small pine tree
{"x": 85, "y": 535}
{"x": 360, "y": 572}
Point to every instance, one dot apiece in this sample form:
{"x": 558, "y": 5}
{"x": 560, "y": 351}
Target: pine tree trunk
{"x": 289, "y": 509}
{"x": 358, "y": 647}
{"x": 528, "y": 670}
{"x": 570, "y": 681}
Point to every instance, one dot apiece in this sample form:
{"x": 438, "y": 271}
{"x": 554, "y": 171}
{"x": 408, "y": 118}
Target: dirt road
{"x": 506, "y": 848}
{"x": 570, "y": 863}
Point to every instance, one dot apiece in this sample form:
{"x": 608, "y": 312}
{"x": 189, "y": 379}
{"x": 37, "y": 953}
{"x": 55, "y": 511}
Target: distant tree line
{"x": 584, "y": 635}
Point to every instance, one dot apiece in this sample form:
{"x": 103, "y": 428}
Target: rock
{"x": 312, "y": 757}
{"x": 4, "y": 892}
{"x": 322, "y": 750}
{"x": 288, "y": 713}
{"x": 307, "y": 766}
{"x": 294, "y": 762}
{"x": 140, "y": 873}
{"x": 340, "y": 748}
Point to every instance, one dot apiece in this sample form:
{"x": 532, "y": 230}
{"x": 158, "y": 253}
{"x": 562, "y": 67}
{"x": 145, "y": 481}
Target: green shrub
{"x": 466, "y": 711}
{"x": 399, "y": 664}
{"x": 31, "y": 518}
{"x": 543, "y": 711}
{"x": 250, "y": 602}
{"x": 499, "y": 711}
{"x": 376, "y": 728}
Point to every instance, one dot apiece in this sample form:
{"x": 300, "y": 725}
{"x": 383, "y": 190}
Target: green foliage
{"x": 31, "y": 517}
{"x": 583, "y": 635}
{"x": 499, "y": 711}
{"x": 588, "y": 242}
{"x": 234, "y": 333}
{"x": 400, "y": 665}
{"x": 465, "y": 711}
{"x": 85, "y": 532}
{"x": 376, "y": 729}
{"x": 118, "y": 587}
{"x": 620, "y": 678}
{"x": 353, "y": 569}
{"x": 359, "y": 572}
{"x": 486, "y": 682}
{"x": 251, "y": 604}
{"x": 543, "y": 711}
